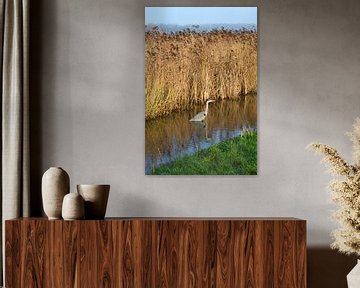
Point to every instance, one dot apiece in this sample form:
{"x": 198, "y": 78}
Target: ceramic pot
{"x": 96, "y": 198}
{"x": 353, "y": 278}
{"x": 55, "y": 185}
{"x": 73, "y": 207}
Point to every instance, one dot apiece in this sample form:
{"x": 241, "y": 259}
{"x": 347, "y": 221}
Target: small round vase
{"x": 73, "y": 207}
{"x": 55, "y": 185}
{"x": 96, "y": 198}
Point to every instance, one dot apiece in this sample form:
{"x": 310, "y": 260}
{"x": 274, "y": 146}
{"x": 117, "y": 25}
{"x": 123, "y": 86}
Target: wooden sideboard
{"x": 156, "y": 252}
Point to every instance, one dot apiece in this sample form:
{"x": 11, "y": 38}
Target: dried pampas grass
{"x": 345, "y": 191}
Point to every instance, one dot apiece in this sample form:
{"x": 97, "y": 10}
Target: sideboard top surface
{"x": 175, "y": 219}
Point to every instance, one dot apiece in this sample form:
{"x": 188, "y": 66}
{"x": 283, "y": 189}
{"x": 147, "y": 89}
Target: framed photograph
{"x": 201, "y": 90}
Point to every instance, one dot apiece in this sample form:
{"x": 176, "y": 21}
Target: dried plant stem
{"x": 345, "y": 191}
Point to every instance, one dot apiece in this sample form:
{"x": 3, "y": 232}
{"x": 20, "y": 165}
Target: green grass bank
{"x": 236, "y": 156}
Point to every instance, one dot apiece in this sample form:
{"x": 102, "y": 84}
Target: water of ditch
{"x": 168, "y": 138}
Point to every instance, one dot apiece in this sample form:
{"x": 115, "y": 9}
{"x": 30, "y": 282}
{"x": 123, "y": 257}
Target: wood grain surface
{"x": 159, "y": 252}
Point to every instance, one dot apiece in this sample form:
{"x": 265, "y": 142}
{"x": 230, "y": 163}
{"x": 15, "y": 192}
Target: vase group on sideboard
{"x": 89, "y": 202}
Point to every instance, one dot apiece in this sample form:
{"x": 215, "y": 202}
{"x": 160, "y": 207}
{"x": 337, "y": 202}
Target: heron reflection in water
{"x": 202, "y": 115}
{"x": 200, "y": 125}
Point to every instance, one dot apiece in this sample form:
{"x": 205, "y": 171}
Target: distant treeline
{"x": 186, "y": 67}
{"x": 168, "y": 28}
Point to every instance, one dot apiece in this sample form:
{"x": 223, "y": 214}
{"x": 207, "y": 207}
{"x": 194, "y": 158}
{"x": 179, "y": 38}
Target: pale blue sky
{"x": 200, "y": 15}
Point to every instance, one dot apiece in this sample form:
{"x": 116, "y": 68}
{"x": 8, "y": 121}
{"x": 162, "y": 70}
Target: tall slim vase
{"x": 353, "y": 278}
{"x": 55, "y": 185}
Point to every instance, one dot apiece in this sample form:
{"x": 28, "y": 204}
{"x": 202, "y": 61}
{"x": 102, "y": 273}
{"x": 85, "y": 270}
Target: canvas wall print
{"x": 200, "y": 90}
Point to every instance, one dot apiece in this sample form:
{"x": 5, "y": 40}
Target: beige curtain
{"x": 14, "y": 27}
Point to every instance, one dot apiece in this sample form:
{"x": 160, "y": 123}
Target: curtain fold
{"x": 15, "y": 162}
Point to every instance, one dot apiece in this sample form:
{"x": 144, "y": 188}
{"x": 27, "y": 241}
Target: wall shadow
{"x": 35, "y": 66}
{"x": 328, "y": 268}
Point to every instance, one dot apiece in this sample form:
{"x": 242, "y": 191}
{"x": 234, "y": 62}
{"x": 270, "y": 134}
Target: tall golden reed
{"x": 185, "y": 68}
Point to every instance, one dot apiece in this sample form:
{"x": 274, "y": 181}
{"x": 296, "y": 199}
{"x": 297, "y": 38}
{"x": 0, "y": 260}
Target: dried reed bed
{"x": 185, "y": 68}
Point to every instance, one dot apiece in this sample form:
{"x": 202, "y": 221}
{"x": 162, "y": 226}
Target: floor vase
{"x": 353, "y": 278}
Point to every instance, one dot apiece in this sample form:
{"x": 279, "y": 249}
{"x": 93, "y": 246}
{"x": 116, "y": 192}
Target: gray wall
{"x": 87, "y": 94}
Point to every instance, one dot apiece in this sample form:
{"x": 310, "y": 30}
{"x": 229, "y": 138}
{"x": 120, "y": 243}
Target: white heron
{"x": 202, "y": 115}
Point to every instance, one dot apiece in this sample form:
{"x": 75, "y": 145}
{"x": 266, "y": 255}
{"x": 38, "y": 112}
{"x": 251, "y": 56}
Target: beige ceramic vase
{"x": 73, "y": 207}
{"x": 55, "y": 185}
{"x": 96, "y": 198}
{"x": 353, "y": 278}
